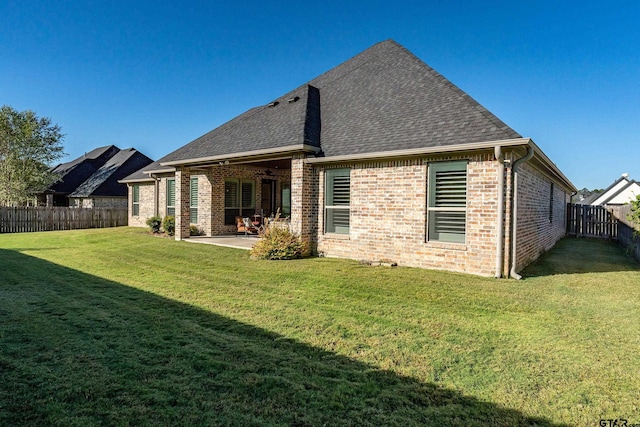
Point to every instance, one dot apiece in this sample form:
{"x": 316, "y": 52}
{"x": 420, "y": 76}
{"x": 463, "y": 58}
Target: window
{"x": 285, "y": 197}
{"x": 135, "y": 206}
{"x": 239, "y": 199}
{"x": 447, "y": 202}
{"x": 337, "y": 205}
{"x": 193, "y": 201}
{"x": 171, "y": 197}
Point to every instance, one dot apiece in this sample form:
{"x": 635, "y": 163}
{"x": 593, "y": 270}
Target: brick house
{"x": 378, "y": 158}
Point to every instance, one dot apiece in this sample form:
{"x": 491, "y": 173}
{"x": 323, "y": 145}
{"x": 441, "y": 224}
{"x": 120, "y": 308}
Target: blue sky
{"x": 156, "y": 75}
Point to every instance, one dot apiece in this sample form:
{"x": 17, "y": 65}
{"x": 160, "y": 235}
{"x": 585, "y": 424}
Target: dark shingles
{"x": 383, "y": 99}
{"x": 280, "y": 125}
{"x": 104, "y": 182}
{"x": 73, "y": 173}
{"x": 387, "y": 99}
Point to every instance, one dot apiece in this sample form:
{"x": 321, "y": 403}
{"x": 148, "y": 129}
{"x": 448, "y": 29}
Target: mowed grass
{"x": 117, "y": 327}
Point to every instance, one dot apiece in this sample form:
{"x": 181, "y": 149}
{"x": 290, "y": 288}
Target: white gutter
{"x": 500, "y": 221}
{"x": 158, "y": 171}
{"x": 514, "y": 211}
{"x": 266, "y": 152}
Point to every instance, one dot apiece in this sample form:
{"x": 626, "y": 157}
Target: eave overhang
{"x": 246, "y": 155}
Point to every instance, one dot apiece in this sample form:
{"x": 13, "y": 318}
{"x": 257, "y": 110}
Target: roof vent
{"x": 294, "y": 99}
{"x": 272, "y": 104}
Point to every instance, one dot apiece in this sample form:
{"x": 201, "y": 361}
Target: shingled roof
{"x": 72, "y": 174}
{"x": 383, "y": 99}
{"x": 104, "y": 182}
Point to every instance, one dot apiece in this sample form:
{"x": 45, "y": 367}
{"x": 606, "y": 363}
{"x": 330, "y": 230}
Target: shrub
{"x": 169, "y": 224}
{"x": 194, "y": 230}
{"x": 154, "y": 224}
{"x": 279, "y": 243}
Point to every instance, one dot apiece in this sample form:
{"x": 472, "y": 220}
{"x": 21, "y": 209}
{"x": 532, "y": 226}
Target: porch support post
{"x": 183, "y": 176}
{"x": 304, "y": 201}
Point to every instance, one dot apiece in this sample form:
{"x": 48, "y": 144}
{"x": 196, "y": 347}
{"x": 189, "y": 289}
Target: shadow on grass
{"x": 576, "y": 256}
{"x": 81, "y": 350}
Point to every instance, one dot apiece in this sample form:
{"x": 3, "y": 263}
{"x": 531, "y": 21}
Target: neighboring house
{"x": 92, "y": 179}
{"x": 622, "y": 191}
{"x": 379, "y": 158}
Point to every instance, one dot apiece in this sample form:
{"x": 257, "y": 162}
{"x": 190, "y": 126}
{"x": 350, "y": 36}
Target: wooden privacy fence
{"x": 591, "y": 221}
{"x": 25, "y": 219}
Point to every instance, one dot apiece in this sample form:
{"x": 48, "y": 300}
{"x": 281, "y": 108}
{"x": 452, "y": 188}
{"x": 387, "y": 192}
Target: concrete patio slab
{"x": 231, "y": 241}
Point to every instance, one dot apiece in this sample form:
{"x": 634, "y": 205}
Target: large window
{"x": 285, "y": 197}
{"x": 135, "y": 206}
{"x": 447, "y": 201}
{"x": 171, "y": 197}
{"x": 193, "y": 201}
{"x": 337, "y": 205}
{"x": 239, "y": 199}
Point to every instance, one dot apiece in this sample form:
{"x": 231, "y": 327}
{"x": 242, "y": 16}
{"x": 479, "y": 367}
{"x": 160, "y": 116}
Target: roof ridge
{"x": 496, "y": 121}
{"x": 463, "y": 95}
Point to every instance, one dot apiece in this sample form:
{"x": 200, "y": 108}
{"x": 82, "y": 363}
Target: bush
{"x": 194, "y": 230}
{"x": 169, "y": 224}
{"x": 279, "y": 243}
{"x": 154, "y": 224}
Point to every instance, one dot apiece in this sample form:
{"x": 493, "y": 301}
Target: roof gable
{"x": 610, "y": 191}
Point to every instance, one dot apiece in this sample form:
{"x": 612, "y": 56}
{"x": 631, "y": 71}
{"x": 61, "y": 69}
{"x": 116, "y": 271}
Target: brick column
{"x": 183, "y": 176}
{"x": 304, "y": 201}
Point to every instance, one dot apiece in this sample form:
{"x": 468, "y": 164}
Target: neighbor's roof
{"x": 91, "y": 155}
{"x": 71, "y": 174}
{"x": 383, "y": 99}
{"x": 104, "y": 182}
{"x": 619, "y": 186}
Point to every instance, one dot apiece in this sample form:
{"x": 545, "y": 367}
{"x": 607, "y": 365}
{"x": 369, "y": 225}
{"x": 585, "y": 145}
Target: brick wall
{"x": 388, "y": 218}
{"x": 146, "y": 204}
{"x": 388, "y": 211}
{"x": 537, "y": 231}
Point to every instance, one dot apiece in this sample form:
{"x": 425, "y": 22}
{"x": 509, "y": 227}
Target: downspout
{"x": 156, "y": 196}
{"x": 514, "y": 212}
{"x": 500, "y": 222}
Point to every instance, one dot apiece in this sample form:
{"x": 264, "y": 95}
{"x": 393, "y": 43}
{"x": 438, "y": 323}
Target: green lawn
{"x": 117, "y": 327}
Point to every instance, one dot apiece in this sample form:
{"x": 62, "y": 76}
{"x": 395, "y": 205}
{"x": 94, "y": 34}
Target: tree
{"x": 28, "y": 146}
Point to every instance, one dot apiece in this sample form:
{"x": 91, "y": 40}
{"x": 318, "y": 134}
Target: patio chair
{"x": 244, "y": 225}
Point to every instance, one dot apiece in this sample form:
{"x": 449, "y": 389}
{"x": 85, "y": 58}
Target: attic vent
{"x": 272, "y": 104}
{"x": 294, "y": 99}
